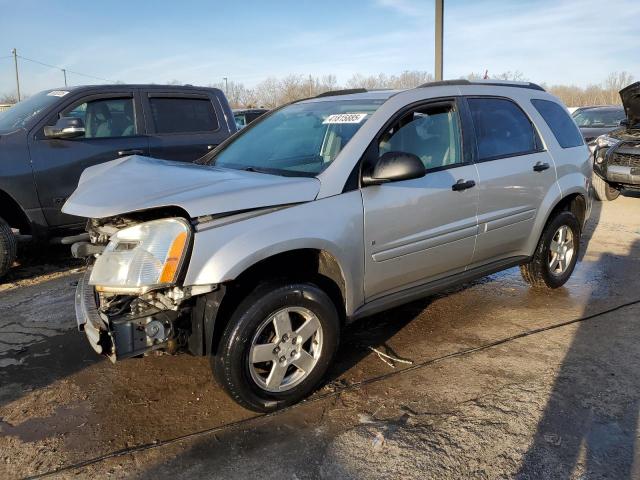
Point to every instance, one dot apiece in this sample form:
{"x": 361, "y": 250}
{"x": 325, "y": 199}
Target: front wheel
{"x": 277, "y": 346}
{"x": 556, "y": 254}
{"x": 604, "y": 191}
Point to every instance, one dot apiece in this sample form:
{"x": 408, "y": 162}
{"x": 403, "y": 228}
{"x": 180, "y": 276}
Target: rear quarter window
{"x": 560, "y": 123}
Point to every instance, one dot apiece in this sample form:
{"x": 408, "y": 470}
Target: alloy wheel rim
{"x": 285, "y": 349}
{"x": 561, "y": 250}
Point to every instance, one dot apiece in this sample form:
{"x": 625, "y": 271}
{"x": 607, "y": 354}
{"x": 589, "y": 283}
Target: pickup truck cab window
{"x": 180, "y": 115}
{"x": 106, "y": 118}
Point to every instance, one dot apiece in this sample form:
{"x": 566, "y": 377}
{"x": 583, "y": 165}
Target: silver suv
{"x": 322, "y": 212}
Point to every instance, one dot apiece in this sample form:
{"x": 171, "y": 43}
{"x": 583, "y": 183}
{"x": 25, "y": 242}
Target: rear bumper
{"x": 123, "y": 336}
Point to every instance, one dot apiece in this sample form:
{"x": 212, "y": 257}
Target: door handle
{"x": 122, "y": 153}
{"x": 540, "y": 167}
{"x": 462, "y": 185}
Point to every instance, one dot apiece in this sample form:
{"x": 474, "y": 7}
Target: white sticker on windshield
{"x": 57, "y": 93}
{"x": 345, "y": 118}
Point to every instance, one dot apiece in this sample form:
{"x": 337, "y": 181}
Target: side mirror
{"x": 395, "y": 166}
{"x": 65, "y": 127}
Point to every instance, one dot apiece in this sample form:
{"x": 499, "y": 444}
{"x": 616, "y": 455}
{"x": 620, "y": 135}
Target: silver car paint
{"x": 332, "y": 224}
{"x": 139, "y": 183}
{"x": 418, "y": 230}
{"x": 354, "y": 226}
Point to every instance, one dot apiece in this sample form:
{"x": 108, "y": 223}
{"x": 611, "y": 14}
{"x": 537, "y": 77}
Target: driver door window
{"x": 106, "y": 118}
{"x": 432, "y": 134}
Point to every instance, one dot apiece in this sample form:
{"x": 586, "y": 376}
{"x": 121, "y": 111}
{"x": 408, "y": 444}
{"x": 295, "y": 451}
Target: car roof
{"x": 384, "y": 94}
{"x": 601, "y": 107}
{"x": 150, "y": 86}
{"x": 250, "y": 110}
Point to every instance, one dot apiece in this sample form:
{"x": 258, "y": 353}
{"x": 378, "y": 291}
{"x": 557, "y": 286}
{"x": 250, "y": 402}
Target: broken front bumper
{"x": 121, "y": 336}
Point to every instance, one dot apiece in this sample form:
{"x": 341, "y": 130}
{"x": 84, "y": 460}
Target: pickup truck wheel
{"x": 277, "y": 345}
{"x": 8, "y": 247}
{"x": 556, "y": 254}
{"x": 604, "y": 191}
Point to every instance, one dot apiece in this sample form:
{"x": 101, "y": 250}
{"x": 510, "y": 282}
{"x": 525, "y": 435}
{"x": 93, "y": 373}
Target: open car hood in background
{"x": 631, "y": 100}
{"x": 137, "y": 183}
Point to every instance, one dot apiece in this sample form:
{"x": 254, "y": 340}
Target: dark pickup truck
{"x": 47, "y": 140}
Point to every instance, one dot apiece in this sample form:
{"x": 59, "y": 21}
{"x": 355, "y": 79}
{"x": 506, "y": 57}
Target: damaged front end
{"x": 617, "y": 158}
{"x": 129, "y": 301}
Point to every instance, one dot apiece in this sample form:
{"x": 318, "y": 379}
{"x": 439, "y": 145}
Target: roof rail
{"x": 494, "y": 83}
{"x": 347, "y": 91}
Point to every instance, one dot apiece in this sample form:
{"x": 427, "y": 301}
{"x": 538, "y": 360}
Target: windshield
{"x": 19, "y": 115}
{"x": 595, "y": 117}
{"x": 299, "y": 140}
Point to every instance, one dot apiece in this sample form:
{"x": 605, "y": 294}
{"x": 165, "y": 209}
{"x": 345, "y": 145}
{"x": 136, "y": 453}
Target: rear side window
{"x": 560, "y": 123}
{"x": 183, "y": 115}
{"x": 502, "y": 129}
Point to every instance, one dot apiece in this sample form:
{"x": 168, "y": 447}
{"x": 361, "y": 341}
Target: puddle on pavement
{"x": 64, "y": 419}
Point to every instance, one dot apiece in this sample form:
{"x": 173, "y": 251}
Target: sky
{"x": 199, "y": 42}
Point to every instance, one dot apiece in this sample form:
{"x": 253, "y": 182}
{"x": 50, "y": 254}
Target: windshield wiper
{"x": 259, "y": 170}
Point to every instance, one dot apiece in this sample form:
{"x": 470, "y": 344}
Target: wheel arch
{"x": 317, "y": 265}
{"x": 13, "y": 214}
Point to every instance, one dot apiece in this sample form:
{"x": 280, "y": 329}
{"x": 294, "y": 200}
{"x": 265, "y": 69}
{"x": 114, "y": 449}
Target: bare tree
{"x": 8, "y": 98}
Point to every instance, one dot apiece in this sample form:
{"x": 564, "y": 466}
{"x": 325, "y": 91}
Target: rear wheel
{"x": 556, "y": 254}
{"x": 8, "y": 247}
{"x": 604, "y": 191}
{"x": 277, "y": 345}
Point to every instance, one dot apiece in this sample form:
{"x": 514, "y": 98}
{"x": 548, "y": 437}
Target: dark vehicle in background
{"x": 616, "y": 156}
{"x": 49, "y": 139}
{"x": 245, "y": 116}
{"x": 597, "y": 120}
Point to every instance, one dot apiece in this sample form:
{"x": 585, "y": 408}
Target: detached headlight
{"x": 142, "y": 257}
{"x": 605, "y": 141}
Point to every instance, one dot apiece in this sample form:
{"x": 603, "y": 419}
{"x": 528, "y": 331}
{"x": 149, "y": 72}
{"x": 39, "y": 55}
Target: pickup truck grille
{"x": 625, "y": 160}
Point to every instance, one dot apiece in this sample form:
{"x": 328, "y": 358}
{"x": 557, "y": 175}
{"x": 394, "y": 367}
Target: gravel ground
{"x": 506, "y": 382}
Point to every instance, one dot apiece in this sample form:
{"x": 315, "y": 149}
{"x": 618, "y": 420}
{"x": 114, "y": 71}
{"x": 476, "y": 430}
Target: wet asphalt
{"x": 503, "y": 382}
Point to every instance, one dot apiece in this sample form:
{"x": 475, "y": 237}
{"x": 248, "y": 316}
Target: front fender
{"x": 333, "y": 224}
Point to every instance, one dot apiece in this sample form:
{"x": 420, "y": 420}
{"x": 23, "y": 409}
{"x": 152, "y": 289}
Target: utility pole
{"x": 226, "y": 86}
{"x": 438, "y": 43}
{"x": 15, "y": 62}
{"x": 64, "y": 72}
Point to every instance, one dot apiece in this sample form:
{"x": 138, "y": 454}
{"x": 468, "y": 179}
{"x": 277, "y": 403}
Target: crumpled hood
{"x": 139, "y": 183}
{"x": 631, "y": 101}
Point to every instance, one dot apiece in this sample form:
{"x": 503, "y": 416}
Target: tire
{"x": 8, "y": 247}
{"x": 251, "y": 333}
{"x": 538, "y": 272}
{"x": 603, "y": 191}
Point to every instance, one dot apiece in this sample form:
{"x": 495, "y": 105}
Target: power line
{"x": 64, "y": 69}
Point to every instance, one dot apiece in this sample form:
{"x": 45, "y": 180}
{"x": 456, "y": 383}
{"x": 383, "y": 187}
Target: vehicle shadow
{"x": 631, "y": 193}
{"x": 39, "y": 260}
{"x": 591, "y": 415}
